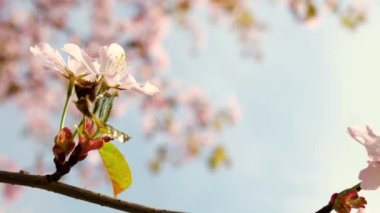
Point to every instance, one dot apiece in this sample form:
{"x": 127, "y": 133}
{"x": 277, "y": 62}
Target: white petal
{"x": 130, "y": 83}
{"x": 53, "y": 58}
{"x": 115, "y": 51}
{"x": 97, "y": 66}
{"x": 112, "y": 80}
{"x": 112, "y": 59}
{"x": 149, "y": 88}
{"x": 79, "y": 69}
{"x": 103, "y": 60}
{"x": 78, "y": 54}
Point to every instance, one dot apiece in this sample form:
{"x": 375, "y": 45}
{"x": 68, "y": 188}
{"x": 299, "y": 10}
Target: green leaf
{"x": 117, "y": 168}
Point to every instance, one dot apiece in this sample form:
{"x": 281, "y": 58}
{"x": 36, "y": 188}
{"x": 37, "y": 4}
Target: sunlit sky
{"x": 290, "y": 151}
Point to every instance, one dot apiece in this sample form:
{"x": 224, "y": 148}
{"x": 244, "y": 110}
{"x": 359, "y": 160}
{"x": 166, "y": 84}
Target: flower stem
{"x": 357, "y": 187}
{"x": 76, "y": 130}
{"x": 69, "y": 92}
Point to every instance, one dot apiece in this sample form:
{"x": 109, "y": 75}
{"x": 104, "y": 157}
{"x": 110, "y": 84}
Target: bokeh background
{"x": 289, "y": 152}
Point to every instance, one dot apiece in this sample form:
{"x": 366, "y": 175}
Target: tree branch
{"x": 38, "y": 181}
{"x": 326, "y": 209}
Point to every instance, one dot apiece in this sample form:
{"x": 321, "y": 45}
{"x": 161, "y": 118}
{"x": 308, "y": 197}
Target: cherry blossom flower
{"x": 369, "y": 176}
{"x": 113, "y": 67}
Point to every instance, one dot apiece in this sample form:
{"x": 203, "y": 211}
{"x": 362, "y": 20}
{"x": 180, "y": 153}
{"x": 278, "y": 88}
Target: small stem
{"x": 357, "y": 187}
{"x": 76, "y": 130}
{"x": 69, "y": 92}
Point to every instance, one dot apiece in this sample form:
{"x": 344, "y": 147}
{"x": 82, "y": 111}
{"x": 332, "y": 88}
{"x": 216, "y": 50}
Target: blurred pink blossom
{"x": 10, "y": 192}
{"x": 234, "y": 109}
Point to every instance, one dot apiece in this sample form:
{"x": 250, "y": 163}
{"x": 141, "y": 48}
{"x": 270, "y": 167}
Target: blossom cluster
{"x": 163, "y": 118}
{"x": 141, "y": 34}
{"x": 110, "y": 66}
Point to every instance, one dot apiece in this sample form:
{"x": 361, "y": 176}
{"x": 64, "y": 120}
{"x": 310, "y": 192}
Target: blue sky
{"x": 290, "y": 152}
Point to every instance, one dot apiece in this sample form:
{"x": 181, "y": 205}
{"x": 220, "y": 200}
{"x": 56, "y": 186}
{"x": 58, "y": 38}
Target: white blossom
{"x": 113, "y": 68}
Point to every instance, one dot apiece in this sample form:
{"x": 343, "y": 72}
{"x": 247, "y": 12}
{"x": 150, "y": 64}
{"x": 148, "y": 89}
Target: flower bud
{"x": 346, "y": 200}
{"x": 64, "y": 144}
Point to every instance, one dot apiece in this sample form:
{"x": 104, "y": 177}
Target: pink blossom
{"x": 369, "y": 176}
{"x": 234, "y": 109}
{"x": 365, "y": 136}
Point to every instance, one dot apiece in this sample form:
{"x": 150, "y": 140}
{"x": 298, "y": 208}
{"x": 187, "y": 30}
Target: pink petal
{"x": 370, "y": 176}
{"x": 365, "y": 136}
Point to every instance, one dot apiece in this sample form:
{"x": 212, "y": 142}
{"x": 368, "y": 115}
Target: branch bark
{"x": 41, "y": 182}
{"x": 326, "y": 209}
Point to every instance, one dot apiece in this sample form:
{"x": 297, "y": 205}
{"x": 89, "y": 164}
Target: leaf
{"x": 117, "y": 168}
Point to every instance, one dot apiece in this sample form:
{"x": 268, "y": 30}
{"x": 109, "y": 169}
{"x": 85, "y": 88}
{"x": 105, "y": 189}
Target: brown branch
{"x": 38, "y": 181}
{"x": 326, "y": 209}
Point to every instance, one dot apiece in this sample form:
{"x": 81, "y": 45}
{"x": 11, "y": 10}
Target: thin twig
{"x": 38, "y": 181}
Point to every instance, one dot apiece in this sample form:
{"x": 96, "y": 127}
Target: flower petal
{"x": 112, "y": 65}
{"x": 370, "y": 176}
{"x": 365, "y": 136}
{"x": 79, "y": 55}
{"x": 112, "y": 60}
{"x": 129, "y": 83}
{"x": 112, "y": 79}
{"x": 53, "y": 57}
{"x": 115, "y": 51}
{"x": 80, "y": 70}
{"x": 149, "y": 88}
